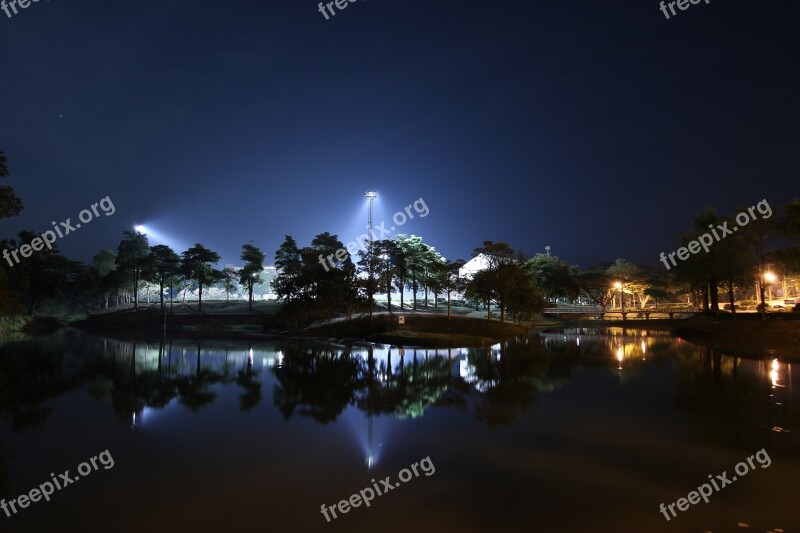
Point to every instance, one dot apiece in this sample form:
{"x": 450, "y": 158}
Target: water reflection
{"x": 616, "y": 402}
{"x": 498, "y": 384}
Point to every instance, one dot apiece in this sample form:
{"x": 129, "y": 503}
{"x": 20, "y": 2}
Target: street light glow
{"x": 770, "y": 277}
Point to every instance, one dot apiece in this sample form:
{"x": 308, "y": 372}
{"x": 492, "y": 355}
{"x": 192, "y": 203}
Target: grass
{"x": 432, "y": 330}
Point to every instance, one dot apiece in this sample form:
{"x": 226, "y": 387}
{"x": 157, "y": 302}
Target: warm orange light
{"x": 618, "y": 285}
{"x": 770, "y": 277}
{"x": 773, "y": 375}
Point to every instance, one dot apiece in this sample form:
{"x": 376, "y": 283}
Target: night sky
{"x": 598, "y": 128}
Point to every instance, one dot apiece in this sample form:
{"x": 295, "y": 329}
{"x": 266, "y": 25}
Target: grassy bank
{"x": 12, "y": 324}
{"x": 744, "y": 333}
{"x": 234, "y": 320}
{"x": 18, "y": 325}
{"x": 425, "y": 330}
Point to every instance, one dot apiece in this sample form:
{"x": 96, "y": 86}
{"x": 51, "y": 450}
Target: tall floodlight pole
{"x": 370, "y": 196}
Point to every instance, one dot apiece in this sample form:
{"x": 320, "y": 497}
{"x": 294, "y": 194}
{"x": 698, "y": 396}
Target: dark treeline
{"x": 742, "y": 259}
{"x": 324, "y": 279}
{"x": 321, "y": 280}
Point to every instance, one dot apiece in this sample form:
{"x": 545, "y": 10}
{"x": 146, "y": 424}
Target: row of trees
{"x": 136, "y": 261}
{"x": 10, "y": 206}
{"x": 734, "y": 263}
{"x": 49, "y": 283}
{"x": 741, "y": 259}
{"x": 323, "y": 278}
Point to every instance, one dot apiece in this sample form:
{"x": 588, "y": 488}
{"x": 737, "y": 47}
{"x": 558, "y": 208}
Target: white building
{"x": 473, "y": 266}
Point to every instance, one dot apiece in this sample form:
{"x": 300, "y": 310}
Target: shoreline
{"x": 743, "y": 334}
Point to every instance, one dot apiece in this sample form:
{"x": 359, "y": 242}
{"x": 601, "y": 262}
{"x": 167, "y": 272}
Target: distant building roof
{"x": 473, "y": 266}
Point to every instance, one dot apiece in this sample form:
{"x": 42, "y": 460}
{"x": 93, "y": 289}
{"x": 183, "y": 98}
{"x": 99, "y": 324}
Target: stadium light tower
{"x": 370, "y": 196}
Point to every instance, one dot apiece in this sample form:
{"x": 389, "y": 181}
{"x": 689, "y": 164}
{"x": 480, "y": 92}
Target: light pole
{"x": 783, "y": 282}
{"x": 370, "y": 196}
{"x": 770, "y": 278}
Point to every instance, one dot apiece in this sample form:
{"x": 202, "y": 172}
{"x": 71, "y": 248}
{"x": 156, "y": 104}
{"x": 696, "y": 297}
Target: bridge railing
{"x": 596, "y": 310}
{"x": 576, "y": 310}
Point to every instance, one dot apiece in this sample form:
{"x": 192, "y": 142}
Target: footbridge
{"x": 635, "y": 313}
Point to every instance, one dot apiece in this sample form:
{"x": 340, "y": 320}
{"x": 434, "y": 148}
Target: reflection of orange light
{"x": 773, "y": 375}
{"x": 619, "y": 354}
{"x": 644, "y": 348}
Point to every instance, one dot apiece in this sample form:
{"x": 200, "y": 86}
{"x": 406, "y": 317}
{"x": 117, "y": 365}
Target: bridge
{"x": 628, "y": 313}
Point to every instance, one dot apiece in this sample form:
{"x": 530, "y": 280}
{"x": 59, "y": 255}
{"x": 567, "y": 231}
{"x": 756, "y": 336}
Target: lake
{"x": 572, "y": 430}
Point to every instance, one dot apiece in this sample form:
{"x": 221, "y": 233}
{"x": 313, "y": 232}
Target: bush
{"x": 12, "y": 323}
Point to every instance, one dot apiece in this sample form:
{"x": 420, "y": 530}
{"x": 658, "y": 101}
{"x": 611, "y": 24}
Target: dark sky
{"x": 598, "y": 128}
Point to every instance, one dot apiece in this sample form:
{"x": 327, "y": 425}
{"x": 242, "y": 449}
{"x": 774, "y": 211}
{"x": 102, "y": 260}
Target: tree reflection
{"x": 193, "y": 391}
{"x": 454, "y": 395}
{"x": 423, "y": 384}
{"x": 508, "y": 380}
{"x": 727, "y": 400}
{"x": 316, "y": 382}
{"x": 248, "y": 379}
{"x": 32, "y": 372}
{"x": 407, "y": 392}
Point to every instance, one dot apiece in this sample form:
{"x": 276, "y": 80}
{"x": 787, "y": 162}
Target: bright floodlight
{"x": 770, "y": 277}
{"x": 140, "y": 229}
{"x": 370, "y": 194}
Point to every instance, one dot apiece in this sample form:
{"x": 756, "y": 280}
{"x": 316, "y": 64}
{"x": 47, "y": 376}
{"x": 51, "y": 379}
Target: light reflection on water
{"x": 535, "y": 399}
{"x": 147, "y": 377}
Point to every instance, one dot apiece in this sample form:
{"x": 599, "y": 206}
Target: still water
{"x": 576, "y": 430}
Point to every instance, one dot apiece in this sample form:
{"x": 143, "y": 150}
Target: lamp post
{"x": 770, "y": 278}
{"x": 783, "y": 283}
